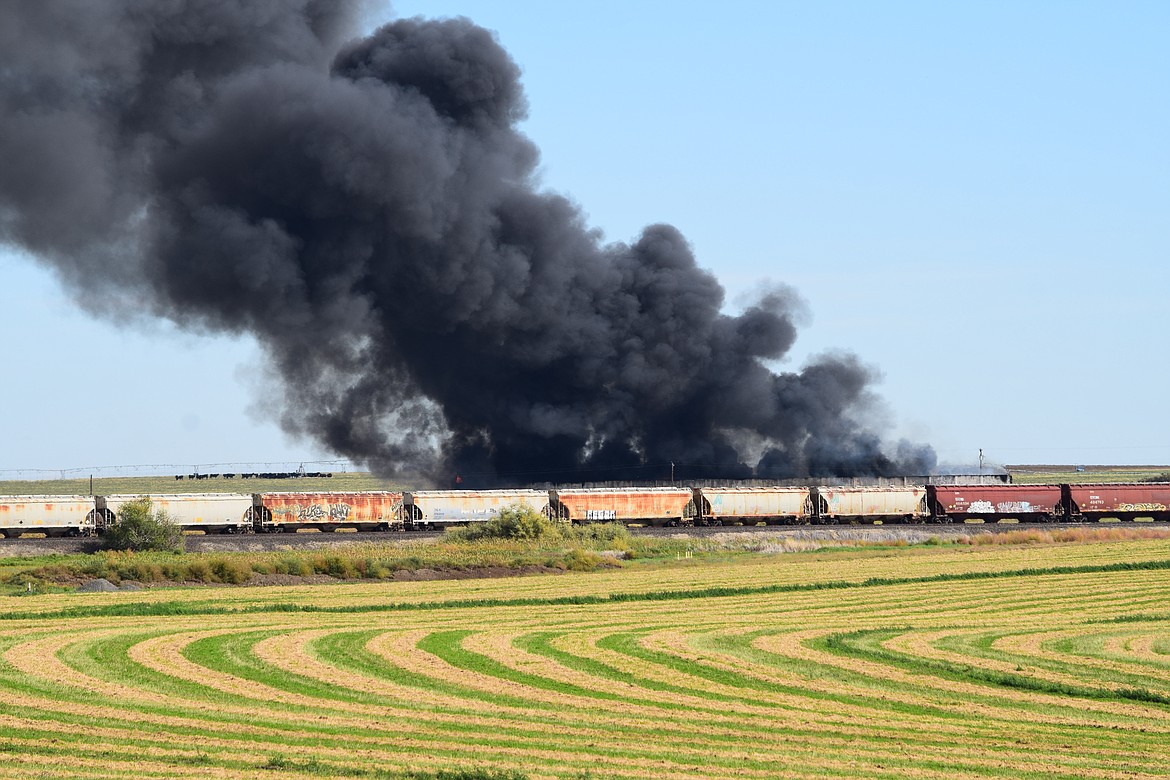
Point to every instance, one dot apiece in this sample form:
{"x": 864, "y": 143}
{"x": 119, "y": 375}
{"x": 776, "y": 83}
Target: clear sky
{"x": 972, "y": 197}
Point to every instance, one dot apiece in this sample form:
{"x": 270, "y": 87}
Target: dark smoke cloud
{"x": 367, "y": 209}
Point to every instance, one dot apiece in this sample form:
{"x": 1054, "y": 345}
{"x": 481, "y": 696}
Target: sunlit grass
{"x": 939, "y": 661}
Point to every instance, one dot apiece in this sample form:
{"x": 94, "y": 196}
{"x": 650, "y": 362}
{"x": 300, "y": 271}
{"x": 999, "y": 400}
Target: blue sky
{"x": 974, "y": 198}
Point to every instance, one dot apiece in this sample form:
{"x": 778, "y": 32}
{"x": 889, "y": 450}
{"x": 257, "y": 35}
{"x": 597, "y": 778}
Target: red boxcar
{"x": 654, "y": 506}
{"x": 373, "y": 511}
{"x": 1026, "y": 503}
{"x": 1123, "y": 501}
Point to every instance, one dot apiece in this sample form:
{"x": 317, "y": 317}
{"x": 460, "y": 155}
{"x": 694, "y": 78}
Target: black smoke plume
{"x": 368, "y": 211}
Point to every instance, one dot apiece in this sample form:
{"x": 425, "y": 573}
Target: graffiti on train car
{"x": 986, "y": 507}
{"x": 1141, "y": 507}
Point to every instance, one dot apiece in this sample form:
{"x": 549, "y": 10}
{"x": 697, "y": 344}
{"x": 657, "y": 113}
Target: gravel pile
{"x": 98, "y": 586}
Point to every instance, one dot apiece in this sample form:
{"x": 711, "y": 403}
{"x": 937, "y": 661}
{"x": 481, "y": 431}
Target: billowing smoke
{"x": 367, "y": 210}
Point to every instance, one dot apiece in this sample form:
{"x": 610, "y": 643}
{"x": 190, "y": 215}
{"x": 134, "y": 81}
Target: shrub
{"x": 231, "y": 571}
{"x": 97, "y": 566}
{"x": 141, "y": 571}
{"x": 599, "y": 533}
{"x": 339, "y": 567}
{"x": 198, "y": 570}
{"x": 26, "y": 581}
{"x": 520, "y": 522}
{"x": 582, "y": 560}
{"x": 140, "y": 527}
{"x": 293, "y": 565}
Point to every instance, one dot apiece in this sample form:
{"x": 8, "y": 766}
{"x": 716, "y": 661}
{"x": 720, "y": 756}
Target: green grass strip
{"x": 1139, "y": 618}
{"x": 864, "y": 645}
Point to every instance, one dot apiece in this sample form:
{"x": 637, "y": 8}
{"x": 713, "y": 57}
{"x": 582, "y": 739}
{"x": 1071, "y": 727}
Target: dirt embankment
{"x": 822, "y": 535}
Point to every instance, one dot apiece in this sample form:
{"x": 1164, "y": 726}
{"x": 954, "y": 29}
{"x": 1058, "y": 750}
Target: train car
{"x": 48, "y": 515}
{"x": 992, "y": 503}
{"x": 228, "y": 513}
{"x": 1123, "y": 501}
{"x": 650, "y": 506}
{"x": 872, "y": 505}
{"x": 437, "y": 508}
{"x": 364, "y": 511}
{"x": 753, "y": 505}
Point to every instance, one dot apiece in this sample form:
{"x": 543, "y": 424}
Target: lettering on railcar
{"x": 311, "y": 512}
{"x": 601, "y": 514}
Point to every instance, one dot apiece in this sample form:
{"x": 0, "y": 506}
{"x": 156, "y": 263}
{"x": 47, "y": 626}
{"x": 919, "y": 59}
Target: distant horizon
{"x": 217, "y": 470}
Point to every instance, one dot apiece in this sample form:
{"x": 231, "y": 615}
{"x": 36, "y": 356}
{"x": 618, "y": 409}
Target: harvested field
{"x": 971, "y": 661}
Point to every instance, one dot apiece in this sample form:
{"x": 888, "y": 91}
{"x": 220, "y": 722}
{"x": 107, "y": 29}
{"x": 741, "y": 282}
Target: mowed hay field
{"x": 1038, "y": 661}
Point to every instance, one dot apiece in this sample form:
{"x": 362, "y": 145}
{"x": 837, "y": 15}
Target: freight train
{"x": 659, "y": 506}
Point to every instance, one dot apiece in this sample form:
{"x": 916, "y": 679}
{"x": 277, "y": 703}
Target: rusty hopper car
{"x": 652, "y": 506}
{"x": 752, "y": 505}
{"x": 992, "y": 503}
{"x": 48, "y": 515}
{"x": 434, "y": 508}
{"x": 228, "y": 513}
{"x": 365, "y": 511}
{"x": 872, "y": 505}
{"x": 1123, "y": 501}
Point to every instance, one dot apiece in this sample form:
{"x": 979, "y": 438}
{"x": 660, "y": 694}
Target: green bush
{"x": 198, "y": 570}
{"x": 96, "y": 566}
{"x": 339, "y": 567}
{"x": 231, "y": 571}
{"x": 297, "y": 567}
{"x": 140, "y": 527}
{"x": 141, "y": 571}
{"x": 520, "y": 522}
{"x": 582, "y": 560}
{"x": 609, "y": 534}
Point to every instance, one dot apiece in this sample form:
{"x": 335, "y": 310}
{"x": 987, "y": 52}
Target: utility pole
{"x": 672, "y": 472}
{"x": 980, "y": 460}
